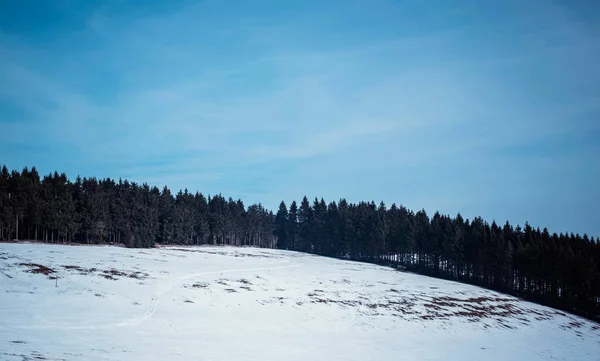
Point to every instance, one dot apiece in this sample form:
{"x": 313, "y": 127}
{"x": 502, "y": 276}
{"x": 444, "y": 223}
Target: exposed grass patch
{"x": 109, "y": 274}
{"x": 113, "y": 274}
{"x": 39, "y": 269}
{"x": 199, "y": 285}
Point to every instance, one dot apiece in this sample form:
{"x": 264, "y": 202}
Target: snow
{"x": 225, "y": 303}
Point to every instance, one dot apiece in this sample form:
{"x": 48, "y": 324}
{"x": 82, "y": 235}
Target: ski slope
{"x": 225, "y": 303}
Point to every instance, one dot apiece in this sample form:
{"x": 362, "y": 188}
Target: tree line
{"x": 558, "y": 270}
{"x": 54, "y": 209}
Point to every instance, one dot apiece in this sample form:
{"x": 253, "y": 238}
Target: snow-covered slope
{"x": 222, "y": 303}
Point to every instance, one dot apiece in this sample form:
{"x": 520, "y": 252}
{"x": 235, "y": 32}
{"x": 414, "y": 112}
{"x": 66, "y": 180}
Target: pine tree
{"x": 282, "y": 225}
{"x": 293, "y": 225}
{"x": 305, "y": 223}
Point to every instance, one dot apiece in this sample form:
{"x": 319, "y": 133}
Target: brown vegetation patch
{"x": 576, "y": 324}
{"x": 113, "y": 274}
{"x": 34, "y": 355}
{"x": 236, "y": 254}
{"x": 347, "y": 282}
{"x": 38, "y": 269}
{"x": 472, "y": 300}
{"x": 440, "y": 303}
{"x": 472, "y": 308}
{"x": 503, "y": 324}
{"x": 138, "y": 275}
{"x": 352, "y": 303}
{"x": 109, "y": 274}
{"x": 74, "y": 267}
{"x": 541, "y": 316}
{"x": 186, "y": 250}
{"x": 37, "y": 356}
{"x": 395, "y": 306}
{"x": 276, "y": 300}
{"x": 433, "y": 306}
{"x": 222, "y": 253}
{"x": 573, "y": 324}
{"x": 503, "y": 311}
{"x": 81, "y": 270}
{"x": 314, "y": 293}
{"x": 470, "y": 314}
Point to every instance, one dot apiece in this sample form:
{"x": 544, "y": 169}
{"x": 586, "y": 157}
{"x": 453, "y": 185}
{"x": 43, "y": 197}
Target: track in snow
{"x": 151, "y": 308}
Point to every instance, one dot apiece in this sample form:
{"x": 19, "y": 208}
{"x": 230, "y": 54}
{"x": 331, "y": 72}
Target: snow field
{"x": 225, "y": 303}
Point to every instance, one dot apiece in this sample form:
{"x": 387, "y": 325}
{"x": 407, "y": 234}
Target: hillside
{"x": 555, "y": 270}
{"x": 226, "y": 303}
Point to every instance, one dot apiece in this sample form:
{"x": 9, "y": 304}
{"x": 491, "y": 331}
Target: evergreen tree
{"x": 293, "y": 225}
{"x": 282, "y": 226}
{"x": 305, "y": 223}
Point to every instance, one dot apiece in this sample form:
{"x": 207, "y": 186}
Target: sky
{"x": 487, "y": 108}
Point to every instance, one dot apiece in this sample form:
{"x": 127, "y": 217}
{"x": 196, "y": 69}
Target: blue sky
{"x": 487, "y": 108}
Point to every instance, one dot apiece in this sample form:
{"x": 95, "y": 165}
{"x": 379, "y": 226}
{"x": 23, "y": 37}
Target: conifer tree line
{"x": 92, "y": 211}
{"x": 558, "y": 270}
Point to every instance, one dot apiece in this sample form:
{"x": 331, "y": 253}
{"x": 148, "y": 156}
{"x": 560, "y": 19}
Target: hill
{"x": 555, "y": 270}
{"x": 227, "y": 303}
